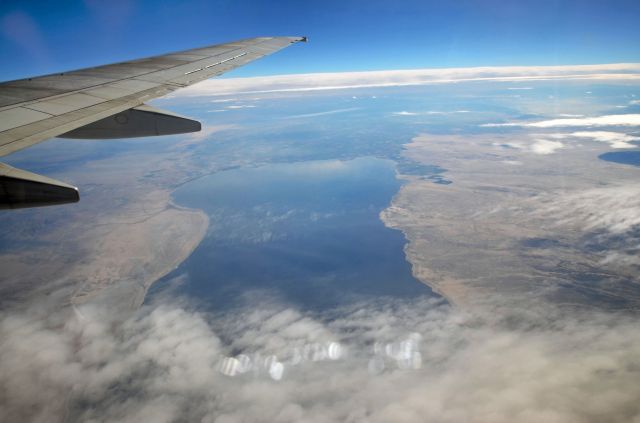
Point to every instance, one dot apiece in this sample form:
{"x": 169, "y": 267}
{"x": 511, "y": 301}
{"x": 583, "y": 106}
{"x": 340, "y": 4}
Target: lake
{"x": 306, "y": 233}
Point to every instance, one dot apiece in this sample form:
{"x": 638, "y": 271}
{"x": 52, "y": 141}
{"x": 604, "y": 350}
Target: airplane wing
{"x": 105, "y": 102}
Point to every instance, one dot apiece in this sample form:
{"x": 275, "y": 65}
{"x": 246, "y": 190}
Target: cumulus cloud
{"x": 607, "y": 120}
{"x": 396, "y": 361}
{"x": 542, "y": 146}
{"x": 534, "y": 145}
{"x": 344, "y": 80}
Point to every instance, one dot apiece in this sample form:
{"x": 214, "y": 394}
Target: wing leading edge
{"x": 108, "y": 102}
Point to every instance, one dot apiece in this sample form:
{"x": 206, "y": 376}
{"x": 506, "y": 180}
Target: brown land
{"x": 125, "y": 234}
{"x": 515, "y": 226}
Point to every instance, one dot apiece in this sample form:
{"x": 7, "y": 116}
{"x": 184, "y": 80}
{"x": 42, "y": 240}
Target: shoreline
{"x": 132, "y": 257}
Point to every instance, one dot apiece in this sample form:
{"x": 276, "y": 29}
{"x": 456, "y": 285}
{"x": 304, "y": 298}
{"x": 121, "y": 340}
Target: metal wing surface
{"x": 107, "y": 102}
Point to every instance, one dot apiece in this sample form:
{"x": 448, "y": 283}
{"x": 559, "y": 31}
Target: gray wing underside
{"x": 105, "y": 102}
{"x": 35, "y": 109}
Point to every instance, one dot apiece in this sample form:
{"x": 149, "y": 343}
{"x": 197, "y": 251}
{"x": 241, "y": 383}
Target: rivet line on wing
{"x": 215, "y": 64}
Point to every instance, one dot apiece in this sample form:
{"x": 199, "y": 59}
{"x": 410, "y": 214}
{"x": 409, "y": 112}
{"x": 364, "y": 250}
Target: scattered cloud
{"x": 615, "y": 139}
{"x": 549, "y": 143}
{"x": 623, "y": 258}
{"x": 345, "y": 80}
{"x": 520, "y": 88}
{"x": 606, "y": 220}
{"x": 613, "y": 209}
{"x": 532, "y": 145}
{"x": 542, "y": 146}
{"x": 241, "y": 106}
{"x": 607, "y": 120}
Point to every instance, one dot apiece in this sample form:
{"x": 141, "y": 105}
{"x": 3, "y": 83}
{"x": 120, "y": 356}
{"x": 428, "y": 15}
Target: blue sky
{"x": 38, "y": 37}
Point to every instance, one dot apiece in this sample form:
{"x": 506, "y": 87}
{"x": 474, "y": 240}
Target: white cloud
{"x": 614, "y": 209}
{"x": 542, "y": 146}
{"x": 622, "y": 258}
{"x": 549, "y": 143}
{"x": 605, "y": 220}
{"x": 344, "y": 80}
{"x": 405, "y": 113}
{"x": 607, "y": 120}
{"x": 536, "y": 145}
{"x": 615, "y": 139}
{"x": 392, "y": 361}
{"x": 223, "y": 100}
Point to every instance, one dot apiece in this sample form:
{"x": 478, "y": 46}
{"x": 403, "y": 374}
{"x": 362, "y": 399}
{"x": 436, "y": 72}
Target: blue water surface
{"x": 307, "y": 233}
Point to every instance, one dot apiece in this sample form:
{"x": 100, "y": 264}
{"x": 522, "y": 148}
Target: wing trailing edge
{"x": 106, "y": 102}
{"x": 21, "y": 189}
{"x": 141, "y": 121}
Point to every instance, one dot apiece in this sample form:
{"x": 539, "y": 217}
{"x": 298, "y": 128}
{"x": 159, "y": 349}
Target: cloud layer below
{"x": 344, "y": 80}
{"x": 401, "y": 362}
